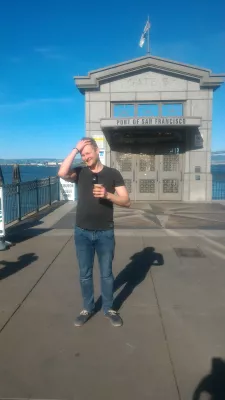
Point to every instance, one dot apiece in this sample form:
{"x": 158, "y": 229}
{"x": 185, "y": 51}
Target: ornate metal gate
{"x": 170, "y": 183}
{"x": 125, "y": 163}
{"x": 149, "y": 176}
{"x": 146, "y": 174}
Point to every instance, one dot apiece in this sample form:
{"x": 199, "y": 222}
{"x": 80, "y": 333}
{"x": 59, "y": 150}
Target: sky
{"x": 45, "y": 43}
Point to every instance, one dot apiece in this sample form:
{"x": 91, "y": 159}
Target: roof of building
{"x": 149, "y": 63}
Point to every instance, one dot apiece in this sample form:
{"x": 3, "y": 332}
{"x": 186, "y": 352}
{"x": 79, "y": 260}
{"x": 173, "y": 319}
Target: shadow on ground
{"x": 214, "y": 383}
{"x": 8, "y": 268}
{"x": 133, "y": 275}
{"x": 31, "y": 225}
{"x": 25, "y": 230}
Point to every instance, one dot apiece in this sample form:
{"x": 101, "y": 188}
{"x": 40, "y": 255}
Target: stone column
{"x": 197, "y": 185}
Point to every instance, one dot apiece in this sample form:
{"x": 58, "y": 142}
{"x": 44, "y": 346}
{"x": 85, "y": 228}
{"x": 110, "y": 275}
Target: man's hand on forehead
{"x": 82, "y": 143}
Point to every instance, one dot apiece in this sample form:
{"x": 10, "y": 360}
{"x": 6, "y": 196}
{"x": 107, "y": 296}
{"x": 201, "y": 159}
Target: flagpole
{"x": 148, "y": 39}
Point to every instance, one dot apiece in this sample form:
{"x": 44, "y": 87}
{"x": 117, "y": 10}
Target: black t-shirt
{"x": 95, "y": 213}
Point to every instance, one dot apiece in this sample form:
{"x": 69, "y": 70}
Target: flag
{"x": 143, "y": 36}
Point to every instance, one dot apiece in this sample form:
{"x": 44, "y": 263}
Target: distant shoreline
{"x": 32, "y": 165}
{"x": 37, "y": 164}
{"x": 78, "y": 163}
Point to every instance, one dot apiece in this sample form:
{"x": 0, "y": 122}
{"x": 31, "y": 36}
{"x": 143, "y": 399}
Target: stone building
{"x": 152, "y": 120}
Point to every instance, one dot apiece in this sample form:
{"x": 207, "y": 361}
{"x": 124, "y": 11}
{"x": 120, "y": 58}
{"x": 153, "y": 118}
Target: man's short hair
{"x": 92, "y": 142}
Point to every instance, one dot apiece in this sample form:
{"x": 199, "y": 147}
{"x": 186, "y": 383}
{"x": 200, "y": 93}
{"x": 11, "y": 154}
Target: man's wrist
{"x": 75, "y": 148}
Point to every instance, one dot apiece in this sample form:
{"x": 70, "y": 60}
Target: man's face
{"x": 90, "y": 155}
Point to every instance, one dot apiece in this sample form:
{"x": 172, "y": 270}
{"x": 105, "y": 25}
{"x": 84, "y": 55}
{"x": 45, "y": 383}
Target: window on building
{"x": 147, "y": 110}
{"x": 172, "y": 110}
{"x": 123, "y": 110}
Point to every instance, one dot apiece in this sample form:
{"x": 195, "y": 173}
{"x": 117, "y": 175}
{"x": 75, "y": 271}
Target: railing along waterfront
{"x": 23, "y": 198}
{"x": 218, "y": 185}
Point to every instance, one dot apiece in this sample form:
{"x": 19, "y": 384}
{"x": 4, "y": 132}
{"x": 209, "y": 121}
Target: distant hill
{"x": 32, "y": 160}
{"x": 218, "y": 157}
{"x": 27, "y": 160}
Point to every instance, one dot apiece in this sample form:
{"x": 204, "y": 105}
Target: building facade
{"x": 152, "y": 120}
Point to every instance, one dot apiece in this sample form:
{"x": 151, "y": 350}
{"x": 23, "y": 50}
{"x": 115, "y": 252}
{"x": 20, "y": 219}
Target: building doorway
{"x": 151, "y": 176}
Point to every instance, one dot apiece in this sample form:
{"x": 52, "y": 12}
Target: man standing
{"x": 94, "y": 229}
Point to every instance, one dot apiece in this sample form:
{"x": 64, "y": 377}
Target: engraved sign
{"x": 150, "y": 121}
{"x": 142, "y": 122}
{"x": 146, "y": 81}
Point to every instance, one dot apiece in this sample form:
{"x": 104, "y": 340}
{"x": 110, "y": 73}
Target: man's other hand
{"x": 99, "y": 191}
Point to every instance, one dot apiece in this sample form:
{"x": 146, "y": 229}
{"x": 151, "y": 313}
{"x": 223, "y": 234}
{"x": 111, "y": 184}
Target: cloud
{"x": 31, "y": 102}
{"x": 50, "y": 53}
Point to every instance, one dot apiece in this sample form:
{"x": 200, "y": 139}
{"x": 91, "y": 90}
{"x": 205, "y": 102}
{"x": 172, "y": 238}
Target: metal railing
{"x": 218, "y": 186}
{"x": 21, "y": 199}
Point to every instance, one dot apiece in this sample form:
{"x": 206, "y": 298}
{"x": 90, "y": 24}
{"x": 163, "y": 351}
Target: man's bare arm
{"x": 65, "y": 171}
{"x": 120, "y": 199}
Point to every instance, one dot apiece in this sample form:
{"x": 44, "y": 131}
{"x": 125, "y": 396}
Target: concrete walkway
{"x": 170, "y": 292}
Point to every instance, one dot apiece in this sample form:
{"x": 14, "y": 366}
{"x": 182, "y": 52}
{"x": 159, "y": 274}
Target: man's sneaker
{"x": 114, "y": 318}
{"x": 83, "y": 317}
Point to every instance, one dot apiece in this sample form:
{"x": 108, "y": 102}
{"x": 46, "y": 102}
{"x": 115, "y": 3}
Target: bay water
{"x": 29, "y": 172}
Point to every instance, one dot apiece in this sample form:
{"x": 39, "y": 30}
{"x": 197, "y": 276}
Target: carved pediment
{"x": 149, "y": 81}
{"x": 153, "y": 70}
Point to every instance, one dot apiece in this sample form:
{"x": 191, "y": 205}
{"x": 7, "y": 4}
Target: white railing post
{"x": 3, "y": 243}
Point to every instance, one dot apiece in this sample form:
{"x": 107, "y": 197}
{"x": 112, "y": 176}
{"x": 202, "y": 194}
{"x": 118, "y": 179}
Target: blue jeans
{"x": 103, "y": 243}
